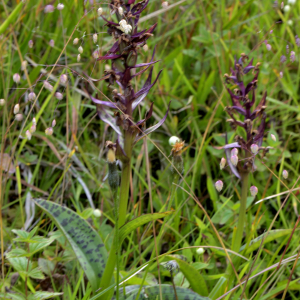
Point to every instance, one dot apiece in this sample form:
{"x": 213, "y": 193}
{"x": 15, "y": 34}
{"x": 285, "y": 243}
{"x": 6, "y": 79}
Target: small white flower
{"x": 49, "y": 9}
{"x": 253, "y": 191}
{"x": 290, "y": 22}
{"x": 16, "y": 108}
{"x": 173, "y": 140}
{"x": 49, "y": 131}
{"x": 30, "y": 44}
{"x": 80, "y": 49}
{"x": 58, "y": 96}
{"x": 200, "y": 251}
{"x": 273, "y": 137}
{"x": 32, "y": 128}
{"x": 269, "y": 47}
{"x": 53, "y": 123}
{"x": 219, "y": 185}
{"x": 2, "y": 102}
{"x": 31, "y": 96}
{"x": 120, "y": 10}
{"x": 16, "y": 78}
{"x": 234, "y": 151}
{"x": 19, "y": 117}
{"x": 51, "y": 43}
{"x": 165, "y": 4}
{"x": 285, "y": 174}
{"x": 34, "y": 121}
{"x": 96, "y": 54}
{"x": 97, "y": 213}
{"x": 287, "y": 8}
{"x": 60, "y": 6}
{"x": 291, "y": 2}
{"x": 100, "y": 11}
{"x": 24, "y": 65}
{"x": 95, "y": 38}
{"x": 234, "y": 160}
{"x": 63, "y": 78}
{"x": 280, "y": 74}
{"x": 126, "y": 28}
{"x": 28, "y": 134}
{"x": 222, "y": 163}
{"x": 75, "y": 41}
{"x": 145, "y": 48}
{"x": 78, "y": 58}
{"x": 254, "y": 148}
{"x": 107, "y": 67}
{"x": 48, "y": 86}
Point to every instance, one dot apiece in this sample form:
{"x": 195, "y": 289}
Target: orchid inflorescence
{"x": 123, "y": 56}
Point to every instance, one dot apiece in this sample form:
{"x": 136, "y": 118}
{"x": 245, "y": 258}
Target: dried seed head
{"x": 48, "y": 86}
{"x": 253, "y": 191}
{"x": 19, "y": 117}
{"x": 222, "y": 163}
{"x": 234, "y": 160}
{"x": 273, "y": 137}
{"x": 145, "y": 48}
{"x": 97, "y": 213}
{"x": 24, "y": 65}
{"x": 63, "y": 79}
{"x": 60, "y": 6}
{"x": 28, "y": 134}
{"x": 171, "y": 266}
{"x": 16, "y": 108}
{"x": 234, "y": 151}
{"x": 120, "y": 11}
{"x": 53, "y": 123}
{"x": 31, "y": 96}
{"x": 100, "y": 11}
{"x": 173, "y": 140}
{"x": 30, "y": 44}
{"x": 75, "y": 41}
{"x": 51, "y": 43}
{"x": 49, "y": 131}
{"x": 254, "y": 148}
{"x": 49, "y": 9}
{"x": 285, "y": 174}
{"x": 78, "y": 58}
{"x": 165, "y": 4}
{"x": 2, "y": 102}
{"x": 80, "y": 49}
{"x": 95, "y": 38}
{"x": 16, "y": 78}
{"x": 58, "y": 96}
{"x": 219, "y": 185}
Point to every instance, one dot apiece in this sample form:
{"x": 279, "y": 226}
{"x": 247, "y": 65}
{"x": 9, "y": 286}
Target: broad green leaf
{"x": 47, "y": 266}
{"x": 11, "y": 296}
{"x": 271, "y": 236}
{"x": 16, "y": 253}
{"x": 139, "y": 221}
{"x": 85, "y": 241}
{"x": 153, "y": 293}
{"x": 194, "y": 277}
{"x": 43, "y": 295}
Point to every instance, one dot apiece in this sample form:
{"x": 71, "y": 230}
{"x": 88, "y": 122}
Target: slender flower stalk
{"x": 124, "y": 68}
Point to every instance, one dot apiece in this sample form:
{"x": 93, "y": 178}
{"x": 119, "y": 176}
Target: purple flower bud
{"x": 287, "y": 49}
{"x": 273, "y": 137}
{"x": 48, "y": 86}
{"x": 292, "y": 56}
{"x": 285, "y": 174}
{"x": 32, "y": 128}
{"x": 16, "y": 78}
{"x": 28, "y": 134}
{"x": 282, "y": 58}
{"x": 253, "y": 191}
{"x": 280, "y": 74}
{"x": 51, "y": 43}
{"x": 19, "y": 117}
{"x": 63, "y": 78}
{"x": 49, "y": 9}
{"x": 53, "y": 123}
{"x": 234, "y": 151}
{"x": 254, "y": 148}
{"x": 271, "y": 31}
{"x": 60, "y": 6}
{"x": 234, "y": 160}
{"x": 30, "y": 44}
{"x": 96, "y": 54}
{"x": 24, "y": 65}
{"x": 16, "y": 108}
{"x": 34, "y": 121}
{"x": 31, "y": 96}
{"x": 58, "y": 96}
{"x": 219, "y": 185}
{"x": 269, "y": 47}
{"x": 165, "y": 4}
{"x": 49, "y": 131}
{"x": 222, "y": 163}
{"x": 298, "y": 42}
{"x": 282, "y": 5}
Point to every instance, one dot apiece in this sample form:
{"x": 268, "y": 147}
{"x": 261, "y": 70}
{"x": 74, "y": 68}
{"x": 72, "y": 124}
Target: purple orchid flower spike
{"x": 123, "y": 56}
{"x": 243, "y": 99}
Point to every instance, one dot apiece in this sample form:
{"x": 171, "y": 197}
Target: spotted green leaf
{"x": 153, "y": 293}
{"x": 85, "y": 241}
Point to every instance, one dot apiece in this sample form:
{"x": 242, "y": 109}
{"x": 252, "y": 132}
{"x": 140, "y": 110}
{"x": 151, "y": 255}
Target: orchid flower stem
{"x": 122, "y": 211}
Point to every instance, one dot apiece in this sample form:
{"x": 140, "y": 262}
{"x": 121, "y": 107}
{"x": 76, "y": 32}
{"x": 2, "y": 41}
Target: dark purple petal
{"x": 148, "y": 115}
{"x": 109, "y": 22}
{"x": 140, "y": 72}
{"x": 115, "y": 47}
{"x": 258, "y": 139}
{"x": 134, "y": 10}
{"x": 105, "y": 103}
{"x": 107, "y": 118}
{"x": 235, "y": 99}
{"x": 232, "y": 167}
{"x": 131, "y": 1}
{"x": 232, "y": 145}
{"x": 145, "y": 64}
{"x": 109, "y": 56}
{"x": 240, "y": 110}
{"x": 249, "y": 67}
{"x": 242, "y": 87}
{"x": 154, "y": 127}
{"x": 138, "y": 34}
{"x": 259, "y": 106}
{"x": 126, "y": 77}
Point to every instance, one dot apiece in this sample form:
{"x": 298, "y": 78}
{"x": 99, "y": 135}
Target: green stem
{"x": 242, "y": 214}
{"x": 123, "y": 201}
